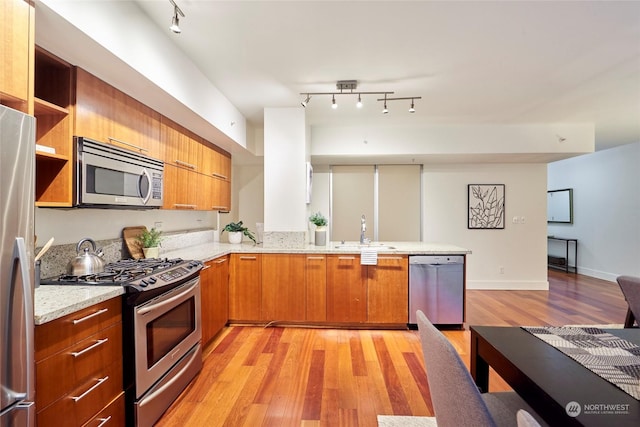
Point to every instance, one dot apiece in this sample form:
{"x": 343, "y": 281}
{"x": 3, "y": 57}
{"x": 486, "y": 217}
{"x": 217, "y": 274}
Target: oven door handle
{"x": 146, "y": 198}
{"x": 155, "y": 306}
{"x": 169, "y": 383}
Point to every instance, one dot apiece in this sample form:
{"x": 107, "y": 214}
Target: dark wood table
{"x": 548, "y": 380}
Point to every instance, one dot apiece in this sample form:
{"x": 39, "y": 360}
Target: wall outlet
{"x": 515, "y": 220}
{"x": 157, "y": 225}
{"x": 521, "y": 220}
{"x": 501, "y": 270}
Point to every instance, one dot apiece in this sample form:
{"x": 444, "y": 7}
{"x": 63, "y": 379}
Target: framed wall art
{"x": 486, "y": 206}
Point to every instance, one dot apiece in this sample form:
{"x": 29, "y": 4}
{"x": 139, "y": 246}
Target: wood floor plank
{"x": 331, "y": 377}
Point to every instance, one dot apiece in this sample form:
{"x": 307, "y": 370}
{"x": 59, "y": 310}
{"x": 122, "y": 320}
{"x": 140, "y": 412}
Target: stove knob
{"x": 144, "y": 283}
{"x": 152, "y": 280}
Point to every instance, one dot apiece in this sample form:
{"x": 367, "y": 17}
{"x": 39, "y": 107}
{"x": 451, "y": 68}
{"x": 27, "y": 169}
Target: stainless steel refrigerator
{"x": 17, "y": 175}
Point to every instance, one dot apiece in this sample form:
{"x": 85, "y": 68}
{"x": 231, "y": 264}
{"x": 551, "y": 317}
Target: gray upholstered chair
{"x": 630, "y": 287}
{"x": 457, "y": 402}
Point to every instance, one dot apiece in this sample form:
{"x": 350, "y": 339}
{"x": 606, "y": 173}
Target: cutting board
{"x": 130, "y": 237}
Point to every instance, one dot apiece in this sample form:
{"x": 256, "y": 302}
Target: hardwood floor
{"x": 255, "y": 376}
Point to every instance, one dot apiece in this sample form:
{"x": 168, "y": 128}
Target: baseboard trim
{"x": 508, "y": 285}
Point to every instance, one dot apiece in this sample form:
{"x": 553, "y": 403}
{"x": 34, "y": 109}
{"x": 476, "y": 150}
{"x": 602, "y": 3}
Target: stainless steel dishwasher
{"x": 436, "y": 286}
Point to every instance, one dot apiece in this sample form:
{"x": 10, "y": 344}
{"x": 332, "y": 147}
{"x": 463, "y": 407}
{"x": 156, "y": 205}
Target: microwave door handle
{"x": 146, "y": 197}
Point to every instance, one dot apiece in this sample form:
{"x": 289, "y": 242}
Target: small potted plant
{"x": 236, "y": 231}
{"x": 320, "y": 222}
{"x": 150, "y": 242}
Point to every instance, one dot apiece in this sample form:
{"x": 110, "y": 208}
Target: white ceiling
{"x": 471, "y": 61}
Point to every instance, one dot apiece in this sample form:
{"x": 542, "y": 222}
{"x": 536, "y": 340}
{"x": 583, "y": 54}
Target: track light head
{"x": 175, "y": 20}
{"x": 359, "y": 103}
{"x": 385, "y": 110}
{"x": 333, "y": 102}
{"x": 306, "y": 101}
{"x": 411, "y": 109}
{"x": 175, "y": 24}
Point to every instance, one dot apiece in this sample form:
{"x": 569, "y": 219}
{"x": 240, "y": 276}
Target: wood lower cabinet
{"x": 346, "y": 289}
{"x": 16, "y": 53}
{"x": 388, "y": 290}
{"x": 283, "y": 287}
{"x": 245, "y": 287}
{"x": 79, "y": 367}
{"x": 316, "y": 288}
{"x": 214, "y": 286}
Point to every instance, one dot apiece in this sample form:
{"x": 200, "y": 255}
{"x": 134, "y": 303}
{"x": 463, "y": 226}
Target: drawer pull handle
{"x": 184, "y": 206}
{"x": 220, "y": 261}
{"x": 248, "y": 258}
{"x": 97, "y": 313}
{"x": 206, "y": 267}
{"x": 185, "y": 164}
{"x": 93, "y": 387}
{"x": 217, "y": 175}
{"x": 346, "y": 258}
{"x": 126, "y": 143}
{"x": 315, "y": 257}
{"x": 91, "y": 347}
{"x": 219, "y": 208}
{"x": 104, "y": 421}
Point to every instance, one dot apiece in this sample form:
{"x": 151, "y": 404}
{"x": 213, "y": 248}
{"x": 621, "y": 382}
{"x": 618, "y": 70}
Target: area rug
{"x": 610, "y": 357}
{"x": 405, "y": 421}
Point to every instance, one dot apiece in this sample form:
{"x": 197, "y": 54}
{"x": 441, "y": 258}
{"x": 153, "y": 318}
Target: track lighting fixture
{"x": 175, "y": 21}
{"x": 411, "y": 109}
{"x": 348, "y": 87}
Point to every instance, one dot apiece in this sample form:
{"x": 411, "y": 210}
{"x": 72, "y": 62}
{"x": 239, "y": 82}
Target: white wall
{"x": 606, "y": 209}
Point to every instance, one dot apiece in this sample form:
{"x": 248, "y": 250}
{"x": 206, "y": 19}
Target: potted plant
{"x": 236, "y": 231}
{"x": 320, "y": 222}
{"x": 150, "y": 242}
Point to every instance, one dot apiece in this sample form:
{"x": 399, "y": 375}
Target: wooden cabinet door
{"x": 180, "y": 188}
{"x": 245, "y": 285}
{"x": 316, "y": 288}
{"x": 94, "y": 107}
{"x": 16, "y": 49}
{"x": 388, "y": 290}
{"x": 283, "y": 292}
{"x": 346, "y": 289}
{"x": 214, "y": 283}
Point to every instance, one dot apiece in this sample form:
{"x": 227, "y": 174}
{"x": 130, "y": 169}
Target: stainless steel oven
{"x": 167, "y": 350}
{"x": 110, "y": 176}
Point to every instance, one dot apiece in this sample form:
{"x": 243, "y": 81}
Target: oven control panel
{"x": 169, "y": 276}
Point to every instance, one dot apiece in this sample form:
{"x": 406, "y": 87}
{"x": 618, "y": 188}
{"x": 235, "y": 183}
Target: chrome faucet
{"x": 363, "y": 228}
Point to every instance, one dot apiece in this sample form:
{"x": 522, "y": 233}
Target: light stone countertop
{"x": 54, "y": 301}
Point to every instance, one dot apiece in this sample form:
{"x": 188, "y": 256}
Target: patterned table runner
{"x": 612, "y": 358}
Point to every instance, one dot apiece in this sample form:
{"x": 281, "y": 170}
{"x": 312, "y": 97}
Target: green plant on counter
{"x": 150, "y": 238}
{"x": 237, "y": 227}
{"x": 318, "y": 219}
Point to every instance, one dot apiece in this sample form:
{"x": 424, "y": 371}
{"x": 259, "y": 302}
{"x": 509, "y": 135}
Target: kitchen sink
{"x": 358, "y": 247}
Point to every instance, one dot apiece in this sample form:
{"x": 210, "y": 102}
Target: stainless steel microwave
{"x": 110, "y": 176}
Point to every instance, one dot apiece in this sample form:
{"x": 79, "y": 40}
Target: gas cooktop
{"x": 136, "y": 275}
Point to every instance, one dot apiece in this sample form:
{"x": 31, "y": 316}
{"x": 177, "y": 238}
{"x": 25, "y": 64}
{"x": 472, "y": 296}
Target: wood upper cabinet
{"x": 316, "y": 288}
{"x": 214, "y": 285}
{"x": 346, "y": 289}
{"x": 181, "y": 188}
{"x": 106, "y": 114}
{"x": 182, "y": 148}
{"x": 79, "y": 366}
{"x": 245, "y": 287}
{"x": 54, "y": 122}
{"x": 283, "y": 287}
{"x": 388, "y": 290}
{"x": 16, "y": 53}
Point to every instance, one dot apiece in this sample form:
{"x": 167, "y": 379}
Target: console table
{"x": 567, "y": 244}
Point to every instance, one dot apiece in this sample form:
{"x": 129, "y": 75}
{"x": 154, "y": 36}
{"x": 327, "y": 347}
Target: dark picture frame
{"x": 485, "y": 206}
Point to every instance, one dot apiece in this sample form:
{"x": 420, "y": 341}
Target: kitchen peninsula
{"x": 55, "y": 301}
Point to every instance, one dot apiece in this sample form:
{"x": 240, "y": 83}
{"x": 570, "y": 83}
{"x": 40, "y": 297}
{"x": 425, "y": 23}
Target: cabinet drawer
{"x": 59, "y": 334}
{"x": 84, "y": 402}
{"x": 65, "y": 371}
{"x": 111, "y": 416}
